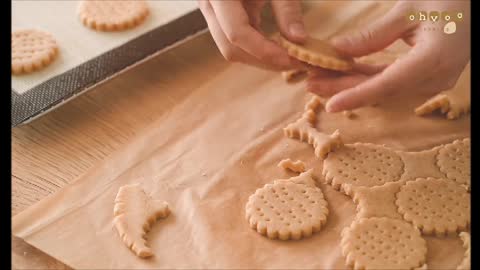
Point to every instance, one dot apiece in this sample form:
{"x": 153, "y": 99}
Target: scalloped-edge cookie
{"x": 294, "y": 75}
{"x": 466, "y": 262}
{"x": 383, "y": 243}
{"x": 435, "y": 206}
{"x": 316, "y": 53}
{"x": 295, "y": 166}
{"x": 287, "y": 208}
{"x": 32, "y": 50}
{"x": 134, "y": 213}
{"x": 454, "y": 103}
{"x": 107, "y": 15}
{"x": 361, "y": 164}
{"x": 454, "y": 160}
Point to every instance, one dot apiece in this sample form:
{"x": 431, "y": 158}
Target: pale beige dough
{"x": 134, "y": 213}
{"x": 288, "y": 208}
{"x": 377, "y": 201}
{"x": 435, "y": 206}
{"x": 466, "y": 262}
{"x": 362, "y": 164}
{"x": 316, "y": 53}
{"x": 32, "y": 50}
{"x": 295, "y": 166}
{"x": 383, "y": 243}
{"x": 294, "y": 75}
{"x": 117, "y": 15}
{"x": 454, "y": 161}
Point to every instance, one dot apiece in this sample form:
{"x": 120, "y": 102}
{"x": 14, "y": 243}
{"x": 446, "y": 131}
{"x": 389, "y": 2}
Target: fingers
{"x": 403, "y": 75}
{"x": 288, "y": 15}
{"x": 375, "y": 37}
{"x": 329, "y": 86}
{"x": 235, "y": 25}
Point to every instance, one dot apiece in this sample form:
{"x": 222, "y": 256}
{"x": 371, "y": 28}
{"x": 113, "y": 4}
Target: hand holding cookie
{"x": 235, "y": 27}
{"x": 433, "y": 64}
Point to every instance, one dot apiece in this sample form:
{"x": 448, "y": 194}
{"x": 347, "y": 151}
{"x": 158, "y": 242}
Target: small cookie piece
{"x": 316, "y": 53}
{"x": 383, "y": 243}
{"x": 134, "y": 213}
{"x": 287, "y": 209}
{"x": 32, "y": 50}
{"x": 435, "y": 206}
{"x": 294, "y": 75}
{"x": 454, "y": 102}
{"x": 295, "y": 166}
{"x": 314, "y": 103}
{"x": 362, "y": 164}
{"x": 349, "y": 114}
{"x": 454, "y": 161}
{"x": 106, "y": 15}
{"x": 466, "y": 262}
{"x": 377, "y": 201}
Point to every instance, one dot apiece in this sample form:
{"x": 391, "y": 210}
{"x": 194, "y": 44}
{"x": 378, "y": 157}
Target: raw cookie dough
{"x": 454, "y": 102}
{"x": 377, "y": 201}
{"x": 294, "y": 75}
{"x": 454, "y": 161}
{"x": 316, "y": 53}
{"x": 362, "y": 164}
{"x": 466, "y": 262}
{"x": 288, "y": 209}
{"x": 134, "y": 213}
{"x": 107, "y": 15}
{"x": 383, "y": 243}
{"x": 295, "y": 166}
{"x": 32, "y": 50}
{"x": 435, "y": 206}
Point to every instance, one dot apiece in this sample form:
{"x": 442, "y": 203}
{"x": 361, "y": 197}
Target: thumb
{"x": 288, "y": 15}
{"x": 375, "y": 37}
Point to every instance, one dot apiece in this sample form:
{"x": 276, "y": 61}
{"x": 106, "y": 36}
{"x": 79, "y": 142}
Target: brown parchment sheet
{"x": 213, "y": 148}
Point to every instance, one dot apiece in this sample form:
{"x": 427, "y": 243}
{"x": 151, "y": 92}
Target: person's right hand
{"x": 235, "y": 27}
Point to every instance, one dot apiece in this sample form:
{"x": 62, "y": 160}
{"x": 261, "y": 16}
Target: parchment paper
{"x": 205, "y": 156}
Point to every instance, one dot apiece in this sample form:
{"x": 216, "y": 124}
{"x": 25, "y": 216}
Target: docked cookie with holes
{"x": 362, "y": 164}
{"x": 454, "y": 161}
{"x": 383, "y": 243}
{"x": 435, "y": 206}
{"x": 286, "y": 209}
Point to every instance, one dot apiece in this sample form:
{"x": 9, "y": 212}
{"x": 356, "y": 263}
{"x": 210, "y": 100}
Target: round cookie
{"x": 108, "y": 15}
{"x": 362, "y": 164}
{"x": 32, "y": 50}
{"x": 287, "y": 210}
{"x": 383, "y": 243}
{"x": 316, "y": 53}
{"x": 454, "y": 161}
{"x": 435, "y": 206}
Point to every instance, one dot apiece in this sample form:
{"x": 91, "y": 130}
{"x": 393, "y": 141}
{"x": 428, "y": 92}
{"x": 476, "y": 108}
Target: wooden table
{"x": 54, "y": 150}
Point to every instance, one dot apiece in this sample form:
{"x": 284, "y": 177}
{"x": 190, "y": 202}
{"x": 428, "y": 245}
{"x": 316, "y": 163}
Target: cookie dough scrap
{"x": 377, "y": 201}
{"x": 117, "y": 15}
{"x": 361, "y": 164}
{"x": 295, "y": 166}
{"x": 304, "y": 131}
{"x": 314, "y": 103}
{"x": 466, "y": 262}
{"x": 32, "y": 50}
{"x": 454, "y": 103}
{"x": 383, "y": 243}
{"x": 316, "y": 53}
{"x": 454, "y": 161}
{"x": 435, "y": 206}
{"x": 420, "y": 164}
{"x": 288, "y": 208}
{"x": 134, "y": 213}
{"x": 294, "y": 75}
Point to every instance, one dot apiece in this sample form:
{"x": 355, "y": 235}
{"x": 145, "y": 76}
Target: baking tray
{"x": 41, "y": 92}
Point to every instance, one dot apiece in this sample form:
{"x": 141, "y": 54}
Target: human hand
{"x": 433, "y": 64}
{"x": 235, "y": 27}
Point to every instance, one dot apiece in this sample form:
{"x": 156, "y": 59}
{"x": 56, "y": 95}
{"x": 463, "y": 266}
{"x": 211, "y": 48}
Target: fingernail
{"x": 297, "y": 30}
{"x": 329, "y": 108}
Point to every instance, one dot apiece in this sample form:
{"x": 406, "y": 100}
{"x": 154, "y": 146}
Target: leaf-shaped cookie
{"x": 134, "y": 213}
